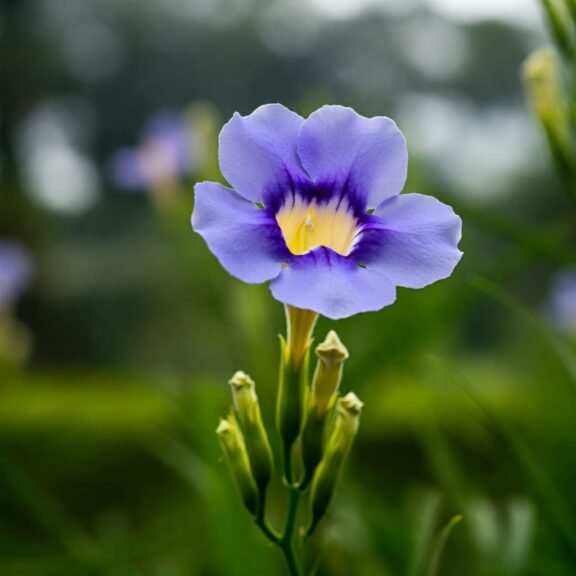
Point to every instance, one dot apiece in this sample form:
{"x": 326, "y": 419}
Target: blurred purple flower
{"x": 167, "y": 151}
{"x": 561, "y": 305}
{"x": 15, "y": 272}
{"x": 316, "y": 208}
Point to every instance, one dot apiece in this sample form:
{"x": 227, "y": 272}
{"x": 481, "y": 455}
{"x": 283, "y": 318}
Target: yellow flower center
{"x": 308, "y": 225}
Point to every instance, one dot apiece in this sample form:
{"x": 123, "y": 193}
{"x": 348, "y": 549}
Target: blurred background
{"x": 119, "y": 330}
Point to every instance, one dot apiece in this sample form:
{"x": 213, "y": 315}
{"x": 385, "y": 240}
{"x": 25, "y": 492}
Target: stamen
{"x": 306, "y": 226}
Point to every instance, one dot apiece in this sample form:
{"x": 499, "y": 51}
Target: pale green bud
{"x": 232, "y": 443}
{"x": 337, "y": 449}
{"x": 558, "y": 16}
{"x": 571, "y": 4}
{"x": 541, "y": 78}
{"x": 250, "y": 419}
{"x": 545, "y": 92}
{"x": 331, "y": 357}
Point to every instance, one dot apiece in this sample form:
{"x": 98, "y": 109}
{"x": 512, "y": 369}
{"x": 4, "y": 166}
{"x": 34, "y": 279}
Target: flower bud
{"x": 331, "y": 357}
{"x": 235, "y": 453}
{"x": 338, "y": 446}
{"x": 545, "y": 92}
{"x": 290, "y": 409}
{"x": 250, "y": 419}
{"x": 540, "y": 73}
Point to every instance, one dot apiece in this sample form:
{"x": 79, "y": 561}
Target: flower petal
{"x": 245, "y": 239}
{"x": 338, "y": 145}
{"x": 413, "y": 239}
{"x": 258, "y": 151}
{"x": 332, "y": 285}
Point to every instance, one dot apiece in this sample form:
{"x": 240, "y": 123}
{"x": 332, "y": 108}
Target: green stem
{"x": 267, "y": 530}
{"x": 291, "y": 561}
{"x": 286, "y": 541}
{"x": 293, "y": 499}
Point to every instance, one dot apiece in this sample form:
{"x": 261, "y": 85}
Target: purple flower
{"x": 316, "y": 209}
{"x": 15, "y": 272}
{"x": 166, "y": 152}
{"x": 561, "y": 306}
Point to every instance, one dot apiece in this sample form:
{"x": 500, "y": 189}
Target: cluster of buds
{"x": 309, "y": 414}
{"x": 246, "y": 445}
{"x": 312, "y": 412}
{"x": 548, "y": 76}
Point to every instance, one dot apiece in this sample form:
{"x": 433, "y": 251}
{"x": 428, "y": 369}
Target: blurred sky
{"x": 428, "y": 88}
{"x": 520, "y": 11}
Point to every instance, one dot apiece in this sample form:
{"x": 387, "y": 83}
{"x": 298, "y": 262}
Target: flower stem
{"x": 286, "y": 541}
{"x": 291, "y": 561}
{"x": 261, "y": 522}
